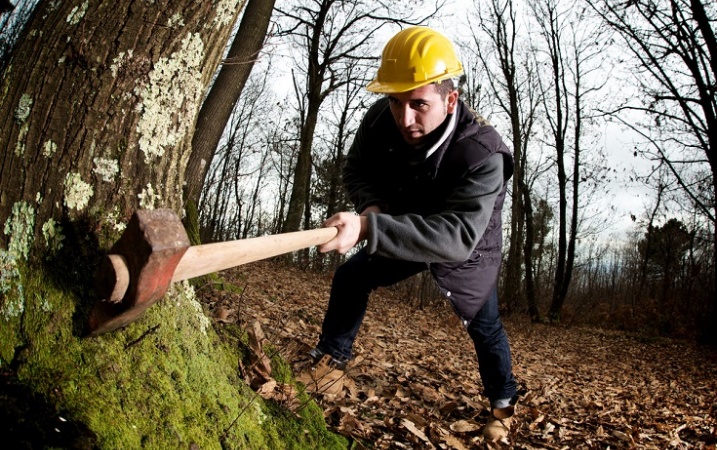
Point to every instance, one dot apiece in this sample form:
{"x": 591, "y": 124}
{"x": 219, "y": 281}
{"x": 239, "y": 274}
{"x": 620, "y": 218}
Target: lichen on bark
{"x": 159, "y": 127}
{"x": 19, "y": 228}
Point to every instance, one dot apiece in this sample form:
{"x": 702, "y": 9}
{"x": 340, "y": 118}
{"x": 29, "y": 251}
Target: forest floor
{"x": 414, "y": 382}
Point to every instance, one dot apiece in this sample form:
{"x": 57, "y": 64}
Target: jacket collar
{"x": 447, "y": 131}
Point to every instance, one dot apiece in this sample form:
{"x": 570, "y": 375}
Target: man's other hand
{"x": 352, "y": 230}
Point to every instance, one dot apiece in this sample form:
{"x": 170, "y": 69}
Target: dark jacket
{"x": 444, "y": 210}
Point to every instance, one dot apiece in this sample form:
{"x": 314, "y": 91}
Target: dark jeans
{"x": 356, "y": 278}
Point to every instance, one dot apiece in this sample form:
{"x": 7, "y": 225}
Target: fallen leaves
{"x": 465, "y": 426}
{"x": 260, "y": 361}
{"x": 415, "y": 381}
{"x": 259, "y": 375}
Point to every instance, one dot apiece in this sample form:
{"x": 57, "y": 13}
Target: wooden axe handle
{"x": 208, "y": 258}
{"x": 154, "y": 251}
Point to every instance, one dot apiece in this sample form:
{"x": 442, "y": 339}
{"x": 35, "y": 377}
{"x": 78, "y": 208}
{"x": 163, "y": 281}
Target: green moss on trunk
{"x": 191, "y": 222}
{"x": 166, "y": 381}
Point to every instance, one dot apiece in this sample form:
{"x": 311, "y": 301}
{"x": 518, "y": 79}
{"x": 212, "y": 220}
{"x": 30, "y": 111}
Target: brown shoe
{"x": 498, "y": 426}
{"x": 324, "y": 377}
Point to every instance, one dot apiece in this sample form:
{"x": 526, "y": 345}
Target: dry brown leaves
{"x": 414, "y": 382}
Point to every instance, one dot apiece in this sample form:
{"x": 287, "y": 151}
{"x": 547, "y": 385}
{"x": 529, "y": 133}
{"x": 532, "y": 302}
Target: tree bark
{"x": 533, "y": 310}
{"x": 101, "y": 104}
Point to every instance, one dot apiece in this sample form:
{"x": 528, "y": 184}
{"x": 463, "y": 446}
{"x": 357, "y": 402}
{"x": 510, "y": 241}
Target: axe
{"x": 154, "y": 252}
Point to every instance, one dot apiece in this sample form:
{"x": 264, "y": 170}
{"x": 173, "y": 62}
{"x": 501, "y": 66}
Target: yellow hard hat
{"x": 415, "y": 57}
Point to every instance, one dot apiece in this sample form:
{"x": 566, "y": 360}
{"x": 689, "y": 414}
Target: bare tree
{"x": 674, "y": 48}
{"x": 240, "y": 159}
{"x": 283, "y": 145}
{"x": 225, "y": 92}
{"x": 518, "y": 94}
{"x": 346, "y": 103}
{"x": 551, "y": 29}
{"x": 328, "y": 195}
{"x": 573, "y": 48}
{"x": 254, "y": 211}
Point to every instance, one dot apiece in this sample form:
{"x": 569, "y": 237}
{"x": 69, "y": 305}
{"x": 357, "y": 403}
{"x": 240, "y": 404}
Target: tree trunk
{"x": 314, "y": 97}
{"x": 12, "y": 20}
{"x": 556, "y": 304}
{"x": 552, "y": 32}
{"x": 533, "y": 309}
{"x": 573, "y": 233}
{"x": 99, "y": 104}
{"x": 225, "y": 92}
{"x": 302, "y": 171}
{"x": 711, "y": 327}
{"x": 708, "y": 33}
{"x": 500, "y": 25}
{"x": 514, "y": 279}
{"x": 101, "y": 100}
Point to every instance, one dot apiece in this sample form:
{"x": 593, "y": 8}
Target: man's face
{"x": 420, "y": 111}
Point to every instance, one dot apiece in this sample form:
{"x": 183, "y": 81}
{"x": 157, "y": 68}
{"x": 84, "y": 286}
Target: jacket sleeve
{"x": 358, "y": 175}
{"x": 452, "y": 234}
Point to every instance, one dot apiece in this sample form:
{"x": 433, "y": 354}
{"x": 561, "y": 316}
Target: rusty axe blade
{"x": 154, "y": 251}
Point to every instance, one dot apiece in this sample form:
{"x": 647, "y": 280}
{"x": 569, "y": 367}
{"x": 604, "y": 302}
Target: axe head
{"x": 138, "y": 270}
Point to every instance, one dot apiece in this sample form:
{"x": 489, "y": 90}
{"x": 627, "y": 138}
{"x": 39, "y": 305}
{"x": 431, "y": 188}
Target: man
{"x": 428, "y": 179}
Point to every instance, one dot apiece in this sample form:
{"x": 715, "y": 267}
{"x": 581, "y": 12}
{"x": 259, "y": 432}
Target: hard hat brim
{"x": 398, "y": 87}
{"x": 393, "y": 88}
